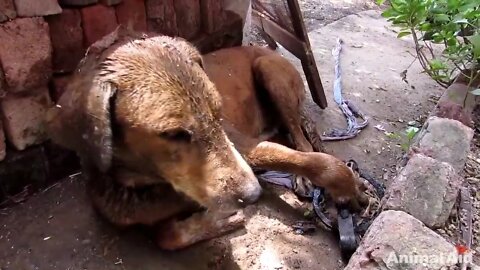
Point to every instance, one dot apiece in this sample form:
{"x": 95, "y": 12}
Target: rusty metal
{"x": 292, "y": 35}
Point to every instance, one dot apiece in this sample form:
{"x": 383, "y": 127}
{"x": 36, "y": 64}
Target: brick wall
{"x": 42, "y": 41}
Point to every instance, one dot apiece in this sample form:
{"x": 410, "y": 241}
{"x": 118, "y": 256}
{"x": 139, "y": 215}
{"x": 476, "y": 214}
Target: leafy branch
{"x": 454, "y": 24}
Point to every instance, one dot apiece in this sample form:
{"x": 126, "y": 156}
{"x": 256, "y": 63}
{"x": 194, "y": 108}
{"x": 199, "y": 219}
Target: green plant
{"x": 406, "y": 138}
{"x": 454, "y": 24}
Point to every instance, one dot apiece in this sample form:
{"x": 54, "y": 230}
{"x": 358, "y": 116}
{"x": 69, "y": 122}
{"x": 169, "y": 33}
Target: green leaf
{"x": 475, "y": 40}
{"x": 380, "y": 2}
{"x": 436, "y": 64}
{"x": 389, "y": 13}
{"x": 441, "y": 18}
{"x": 402, "y": 34}
{"x": 411, "y": 131}
{"x": 476, "y": 92}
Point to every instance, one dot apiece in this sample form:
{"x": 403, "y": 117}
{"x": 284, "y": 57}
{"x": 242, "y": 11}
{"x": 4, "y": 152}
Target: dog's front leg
{"x": 321, "y": 169}
{"x": 178, "y": 234}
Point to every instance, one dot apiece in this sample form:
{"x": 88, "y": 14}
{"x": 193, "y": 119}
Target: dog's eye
{"x": 180, "y": 135}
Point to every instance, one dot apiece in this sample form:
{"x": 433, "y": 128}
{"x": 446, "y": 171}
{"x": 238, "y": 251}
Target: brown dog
{"x": 159, "y": 138}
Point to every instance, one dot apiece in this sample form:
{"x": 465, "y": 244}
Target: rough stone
{"x": 131, "y": 13}
{"x": 7, "y": 10}
{"x": 67, "y": 40}
{"x": 3, "y": 150}
{"x": 98, "y": 21}
{"x": 398, "y": 241}
{"x": 25, "y": 53}
{"x": 77, "y": 3}
{"x": 426, "y": 189}
{"x": 33, "y": 8}
{"x": 188, "y": 18}
{"x": 445, "y": 140}
{"x": 161, "y": 17}
{"x": 23, "y": 118}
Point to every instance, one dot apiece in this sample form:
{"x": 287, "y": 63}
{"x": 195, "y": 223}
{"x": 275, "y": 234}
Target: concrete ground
{"x": 57, "y": 229}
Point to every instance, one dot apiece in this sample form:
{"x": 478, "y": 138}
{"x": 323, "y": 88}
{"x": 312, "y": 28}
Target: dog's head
{"x": 146, "y": 104}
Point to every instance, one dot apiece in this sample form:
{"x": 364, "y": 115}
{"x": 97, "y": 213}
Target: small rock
{"x": 446, "y": 140}
{"x": 426, "y": 189}
{"x": 398, "y": 241}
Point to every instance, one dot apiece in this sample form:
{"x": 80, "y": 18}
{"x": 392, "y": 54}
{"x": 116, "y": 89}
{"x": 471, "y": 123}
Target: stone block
{"x": 189, "y": 22}
{"x": 426, "y": 189}
{"x": 398, "y": 241}
{"x": 23, "y": 118}
{"x": 161, "y": 17}
{"x": 25, "y": 54}
{"x": 34, "y": 8}
{"x": 98, "y": 21}
{"x": 132, "y": 14}
{"x": 67, "y": 40}
{"x": 445, "y": 140}
{"x": 212, "y": 15}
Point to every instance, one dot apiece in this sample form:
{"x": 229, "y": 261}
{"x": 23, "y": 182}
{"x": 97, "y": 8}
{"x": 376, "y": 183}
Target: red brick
{"x": 7, "y": 10}
{"x": 3, "y": 150}
{"x": 66, "y": 35}
{"x": 98, "y": 21}
{"x": 77, "y": 3}
{"x": 32, "y": 8}
{"x": 132, "y": 14}
{"x": 188, "y": 17}
{"x": 161, "y": 17}
{"x": 25, "y": 53}
{"x": 58, "y": 86}
{"x": 110, "y": 2}
{"x": 212, "y": 15}
{"x": 24, "y": 118}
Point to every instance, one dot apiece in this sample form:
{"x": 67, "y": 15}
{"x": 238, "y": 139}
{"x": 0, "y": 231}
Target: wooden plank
{"x": 309, "y": 64}
{"x": 212, "y": 15}
{"x": 282, "y": 36}
{"x": 188, "y": 17}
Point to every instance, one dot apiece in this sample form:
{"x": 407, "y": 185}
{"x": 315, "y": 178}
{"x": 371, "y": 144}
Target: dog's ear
{"x": 82, "y": 122}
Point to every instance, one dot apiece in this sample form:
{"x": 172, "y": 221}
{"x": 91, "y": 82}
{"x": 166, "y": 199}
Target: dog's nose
{"x": 251, "y": 194}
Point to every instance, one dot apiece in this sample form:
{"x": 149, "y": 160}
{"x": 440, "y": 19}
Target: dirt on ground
{"x": 57, "y": 228}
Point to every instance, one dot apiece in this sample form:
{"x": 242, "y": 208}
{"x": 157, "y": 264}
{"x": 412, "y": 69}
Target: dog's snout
{"x": 251, "y": 194}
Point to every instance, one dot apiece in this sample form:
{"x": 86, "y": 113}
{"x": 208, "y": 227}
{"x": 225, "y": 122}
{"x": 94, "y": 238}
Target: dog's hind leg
{"x": 286, "y": 90}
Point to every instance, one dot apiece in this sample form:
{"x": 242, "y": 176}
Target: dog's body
{"x": 153, "y": 123}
